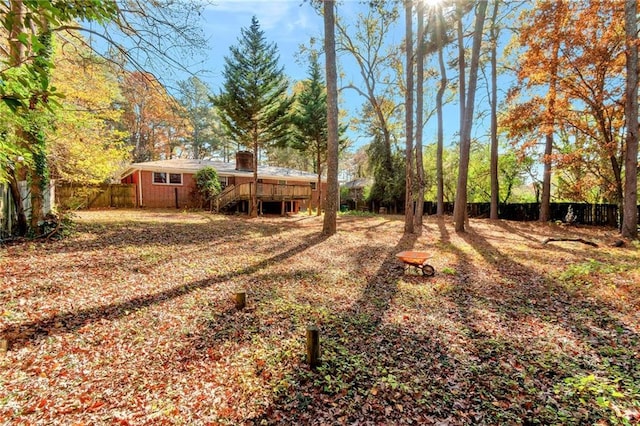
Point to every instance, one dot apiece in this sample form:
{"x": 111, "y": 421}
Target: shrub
{"x": 207, "y": 184}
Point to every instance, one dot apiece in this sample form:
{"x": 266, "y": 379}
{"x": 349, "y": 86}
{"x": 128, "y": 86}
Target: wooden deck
{"x": 266, "y": 192}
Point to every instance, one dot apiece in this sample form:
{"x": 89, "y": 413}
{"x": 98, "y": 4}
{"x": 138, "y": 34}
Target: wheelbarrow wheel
{"x": 428, "y": 270}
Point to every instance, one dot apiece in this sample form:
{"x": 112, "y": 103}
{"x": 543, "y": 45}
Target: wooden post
{"x": 241, "y": 300}
{"x": 4, "y": 347}
{"x": 313, "y": 345}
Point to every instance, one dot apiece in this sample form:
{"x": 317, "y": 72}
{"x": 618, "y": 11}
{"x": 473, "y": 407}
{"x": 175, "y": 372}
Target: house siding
{"x": 152, "y": 195}
{"x": 167, "y": 195}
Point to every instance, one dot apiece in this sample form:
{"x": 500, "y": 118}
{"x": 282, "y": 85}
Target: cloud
{"x": 272, "y": 14}
{"x": 283, "y": 21}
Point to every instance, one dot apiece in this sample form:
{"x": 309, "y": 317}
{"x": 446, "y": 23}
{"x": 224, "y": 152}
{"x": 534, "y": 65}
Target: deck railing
{"x": 264, "y": 192}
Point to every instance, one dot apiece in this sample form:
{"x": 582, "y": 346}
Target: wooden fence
{"x": 586, "y": 214}
{"x": 75, "y": 197}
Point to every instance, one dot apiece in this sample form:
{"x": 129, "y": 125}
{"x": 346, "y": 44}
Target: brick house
{"x": 171, "y": 184}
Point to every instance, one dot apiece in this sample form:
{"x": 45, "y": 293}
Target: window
{"x": 161, "y": 178}
{"x": 313, "y": 186}
{"x": 224, "y": 181}
{"x": 282, "y": 182}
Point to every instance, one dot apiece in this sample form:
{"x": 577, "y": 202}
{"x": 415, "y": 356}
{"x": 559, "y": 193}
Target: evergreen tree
{"x": 310, "y": 119}
{"x": 253, "y": 104}
{"x": 389, "y": 183}
{"x": 195, "y": 98}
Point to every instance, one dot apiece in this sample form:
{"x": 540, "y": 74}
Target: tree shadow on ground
{"x": 20, "y": 334}
{"x": 363, "y": 373}
{"x": 129, "y": 233}
{"x": 529, "y": 326}
{"x": 498, "y": 352}
{"x": 242, "y": 325}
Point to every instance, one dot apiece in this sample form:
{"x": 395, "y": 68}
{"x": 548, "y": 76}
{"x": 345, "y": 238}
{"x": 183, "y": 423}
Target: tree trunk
{"x": 331, "y": 207}
{"x": 439, "y": 96}
{"x": 319, "y": 186}
{"x": 495, "y": 188}
{"x": 39, "y": 178}
{"x": 16, "y": 48}
{"x": 34, "y": 138}
{"x": 465, "y": 138}
{"x": 253, "y": 208}
{"x": 408, "y": 205}
{"x": 419, "y": 119}
{"x": 462, "y": 91}
{"x": 545, "y": 201}
{"x": 630, "y": 208}
{"x": 16, "y": 57}
{"x": 22, "y": 225}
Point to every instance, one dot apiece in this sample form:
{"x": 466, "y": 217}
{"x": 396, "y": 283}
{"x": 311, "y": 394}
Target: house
{"x": 355, "y": 198}
{"x": 171, "y": 184}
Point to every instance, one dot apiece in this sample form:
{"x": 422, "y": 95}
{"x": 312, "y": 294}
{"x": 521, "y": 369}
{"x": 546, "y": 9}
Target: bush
{"x": 207, "y": 184}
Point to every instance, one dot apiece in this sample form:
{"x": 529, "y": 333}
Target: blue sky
{"x": 285, "y": 22}
{"x": 288, "y": 23}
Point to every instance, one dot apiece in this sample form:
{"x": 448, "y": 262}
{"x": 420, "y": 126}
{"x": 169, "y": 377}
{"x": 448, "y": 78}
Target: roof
{"x": 358, "y": 183}
{"x": 183, "y": 165}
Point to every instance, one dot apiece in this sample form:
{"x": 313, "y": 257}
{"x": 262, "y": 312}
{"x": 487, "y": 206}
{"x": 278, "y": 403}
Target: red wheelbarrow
{"x": 416, "y": 260}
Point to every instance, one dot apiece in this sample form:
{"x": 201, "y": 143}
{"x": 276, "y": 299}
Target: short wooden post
{"x": 4, "y": 347}
{"x": 313, "y": 345}
{"x": 241, "y": 300}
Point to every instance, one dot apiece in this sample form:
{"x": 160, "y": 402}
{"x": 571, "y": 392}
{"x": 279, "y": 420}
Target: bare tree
{"x": 460, "y": 208}
{"x": 408, "y": 44}
{"x": 495, "y": 188}
{"x": 160, "y": 36}
{"x": 439, "y": 28}
{"x": 366, "y": 43}
{"x": 419, "y": 118}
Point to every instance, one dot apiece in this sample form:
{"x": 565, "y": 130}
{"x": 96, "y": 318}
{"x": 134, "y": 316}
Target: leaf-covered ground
{"x": 132, "y": 321}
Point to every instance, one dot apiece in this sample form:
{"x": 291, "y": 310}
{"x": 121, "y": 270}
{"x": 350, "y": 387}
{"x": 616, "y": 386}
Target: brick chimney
{"x": 244, "y": 161}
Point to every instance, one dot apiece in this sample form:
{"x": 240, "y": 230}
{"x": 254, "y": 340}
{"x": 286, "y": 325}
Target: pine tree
{"x": 253, "y": 104}
{"x": 310, "y": 119}
{"x": 195, "y": 98}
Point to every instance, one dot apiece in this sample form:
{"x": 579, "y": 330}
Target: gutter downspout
{"x": 140, "y": 186}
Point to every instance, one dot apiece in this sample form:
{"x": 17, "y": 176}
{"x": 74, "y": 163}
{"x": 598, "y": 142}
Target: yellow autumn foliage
{"x": 86, "y": 144}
